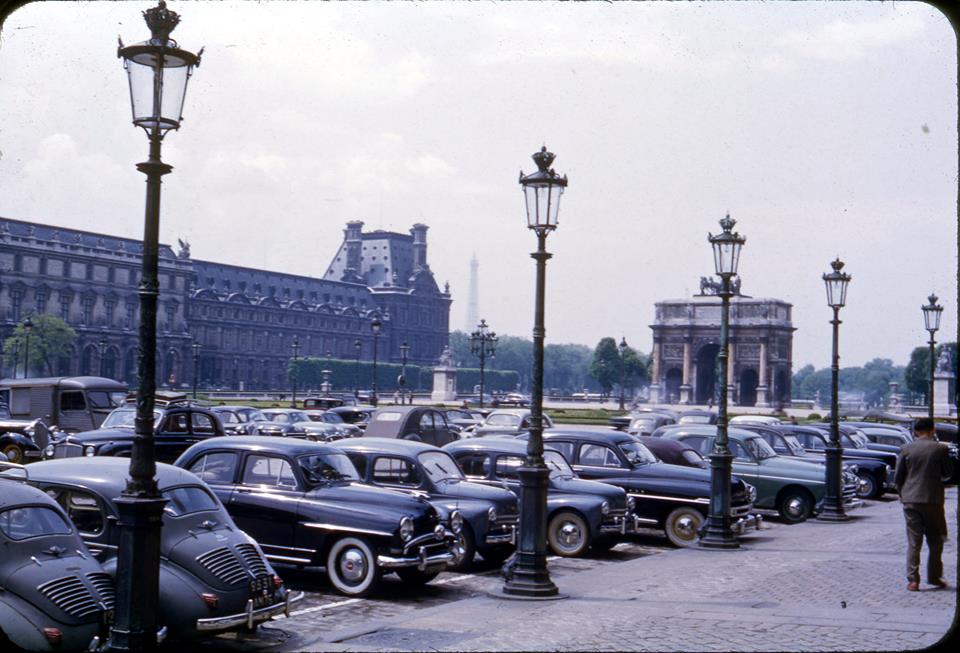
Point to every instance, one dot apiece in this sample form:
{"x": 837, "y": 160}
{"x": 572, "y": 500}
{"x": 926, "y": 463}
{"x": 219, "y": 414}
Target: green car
{"x": 792, "y": 487}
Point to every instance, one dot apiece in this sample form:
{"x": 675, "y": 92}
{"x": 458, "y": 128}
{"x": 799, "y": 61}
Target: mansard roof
{"x": 76, "y": 237}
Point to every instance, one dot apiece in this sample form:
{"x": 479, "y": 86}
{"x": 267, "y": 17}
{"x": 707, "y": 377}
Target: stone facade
{"x": 243, "y": 318}
{"x": 686, "y": 341}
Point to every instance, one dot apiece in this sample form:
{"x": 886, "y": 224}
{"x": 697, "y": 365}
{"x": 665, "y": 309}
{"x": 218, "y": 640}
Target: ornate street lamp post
{"x": 375, "y": 326}
{"x": 27, "y": 328}
{"x": 158, "y": 72}
{"x": 717, "y": 533}
{"x": 295, "y": 346}
{"x": 196, "y": 366}
{"x": 357, "y": 347}
{"x": 836, "y": 283}
{"x": 527, "y": 575}
{"x": 16, "y": 357}
{"x": 483, "y": 343}
{"x": 931, "y": 320}
{"x": 402, "y": 381}
{"x": 622, "y": 347}
{"x": 101, "y": 348}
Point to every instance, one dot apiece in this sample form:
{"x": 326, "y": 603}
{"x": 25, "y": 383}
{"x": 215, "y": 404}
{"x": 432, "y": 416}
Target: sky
{"x": 824, "y": 128}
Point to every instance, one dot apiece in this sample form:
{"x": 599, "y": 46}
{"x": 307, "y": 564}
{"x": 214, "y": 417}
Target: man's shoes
{"x": 913, "y": 587}
{"x": 939, "y": 582}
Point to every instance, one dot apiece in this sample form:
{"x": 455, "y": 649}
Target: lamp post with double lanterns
{"x": 931, "y": 321}
{"x": 717, "y": 532}
{"x": 836, "y": 284}
{"x": 527, "y": 576}
{"x": 27, "y": 328}
{"x": 483, "y": 343}
{"x": 622, "y": 348}
{"x": 402, "y": 380}
{"x": 295, "y": 346}
{"x": 375, "y": 326}
{"x": 158, "y": 71}
{"x": 196, "y": 366}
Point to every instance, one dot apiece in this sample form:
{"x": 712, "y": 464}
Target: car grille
{"x": 849, "y": 491}
{"x": 67, "y": 450}
{"x": 104, "y": 585}
{"x": 254, "y": 561}
{"x": 224, "y": 565}
{"x": 508, "y": 519}
{"x": 73, "y": 597}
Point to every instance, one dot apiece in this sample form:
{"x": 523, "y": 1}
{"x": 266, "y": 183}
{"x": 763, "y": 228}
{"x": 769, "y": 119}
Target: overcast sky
{"x": 824, "y": 128}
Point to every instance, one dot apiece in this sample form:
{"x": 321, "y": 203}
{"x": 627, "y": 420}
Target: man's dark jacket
{"x": 922, "y": 466}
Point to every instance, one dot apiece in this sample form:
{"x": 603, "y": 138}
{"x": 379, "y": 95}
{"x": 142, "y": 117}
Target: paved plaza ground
{"x": 811, "y": 587}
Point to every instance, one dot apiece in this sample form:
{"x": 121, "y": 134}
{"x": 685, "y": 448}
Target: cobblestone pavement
{"x": 813, "y": 586}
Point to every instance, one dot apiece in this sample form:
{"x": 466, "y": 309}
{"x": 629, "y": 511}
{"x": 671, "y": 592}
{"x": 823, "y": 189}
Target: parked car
{"x": 70, "y": 403}
{"x": 295, "y": 423}
{"x": 697, "y": 417}
{"x": 754, "y": 419}
{"x": 673, "y": 452}
{"x": 490, "y": 514}
{"x": 580, "y": 514}
{"x": 330, "y": 417}
{"x": 508, "y": 421}
{"x": 793, "y": 488}
{"x": 177, "y": 423}
{"x": 419, "y": 423}
{"x": 327, "y": 402}
{"x": 303, "y": 503}
{"x": 879, "y": 433}
{"x": 54, "y": 595}
{"x": 875, "y": 476}
{"x": 622, "y": 422}
{"x": 511, "y": 399}
{"x": 465, "y": 419}
{"x": 647, "y": 423}
{"x": 853, "y": 438}
{"x": 213, "y": 577}
{"x": 22, "y": 440}
{"x": 671, "y": 498}
{"x": 358, "y": 415}
{"x": 238, "y": 420}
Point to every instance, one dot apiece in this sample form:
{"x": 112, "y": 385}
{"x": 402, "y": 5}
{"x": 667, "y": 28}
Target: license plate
{"x": 261, "y": 591}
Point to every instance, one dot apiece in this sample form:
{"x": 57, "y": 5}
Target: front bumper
{"x": 506, "y": 535}
{"x": 745, "y": 523}
{"x": 249, "y": 617}
{"x": 423, "y": 552}
{"x": 621, "y": 524}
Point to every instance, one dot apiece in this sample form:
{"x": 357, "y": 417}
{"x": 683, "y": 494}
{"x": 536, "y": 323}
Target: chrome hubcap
{"x": 686, "y": 527}
{"x": 569, "y": 535}
{"x": 795, "y": 506}
{"x": 353, "y": 565}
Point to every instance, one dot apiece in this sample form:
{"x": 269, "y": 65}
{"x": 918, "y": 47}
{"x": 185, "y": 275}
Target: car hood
{"x": 366, "y": 502}
{"x": 101, "y": 435}
{"x": 615, "y": 495}
{"x": 503, "y": 499}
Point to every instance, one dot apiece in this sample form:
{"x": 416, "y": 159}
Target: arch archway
{"x": 706, "y": 382}
{"x": 87, "y": 358}
{"x": 748, "y": 387}
{"x": 110, "y": 359}
{"x": 130, "y": 366}
{"x": 672, "y": 381}
{"x": 781, "y": 390}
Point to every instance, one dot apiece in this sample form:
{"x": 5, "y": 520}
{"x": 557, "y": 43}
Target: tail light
{"x": 277, "y": 582}
{"x": 212, "y": 600}
{"x": 53, "y": 635}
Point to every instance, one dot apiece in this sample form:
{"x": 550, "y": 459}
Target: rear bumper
{"x": 742, "y": 524}
{"x": 509, "y": 536}
{"x": 621, "y": 524}
{"x": 421, "y": 561}
{"x": 249, "y": 617}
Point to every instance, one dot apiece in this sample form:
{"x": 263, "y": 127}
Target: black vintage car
{"x": 851, "y": 439}
{"x": 22, "y": 440}
{"x": 54, "y": 595}
{"x": 673, "y": 498}
{"x": 674, "y": 452}
{"x": 580, "y": 514}
{"x": 490, "y": 514}
{"x": 304, "y": 504}
{"x": 213, "y": 577}
{"x": 418, "y": 423}
{"x": 354, "y": 414}
{"x": 294, "y": 423}
{"x": 177, "y": 424}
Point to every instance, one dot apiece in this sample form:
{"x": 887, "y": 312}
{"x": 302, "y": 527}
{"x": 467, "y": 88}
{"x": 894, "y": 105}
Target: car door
{"x": 596, "y": 460}
{"x": 172, "y": 436}
{"x": 266, "y": 499}
{"x": 425, "y": 427}
{"x": 90, "y": 516}
{"x": 396, "y": 473}
{"x": 441, "y": 429}
{"x": 218, "y": 469}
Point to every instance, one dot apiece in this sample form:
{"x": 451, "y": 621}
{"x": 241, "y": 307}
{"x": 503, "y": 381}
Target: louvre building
{"x": 243, "y": 319}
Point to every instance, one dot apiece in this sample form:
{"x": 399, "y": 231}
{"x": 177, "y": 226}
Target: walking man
{"x": 922, "y": 466}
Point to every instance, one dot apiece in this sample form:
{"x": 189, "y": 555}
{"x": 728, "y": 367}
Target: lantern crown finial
{"x": 544, "y": 159}
{"x": 837, "y": 265}
{"x": 161, "y": 21}
{"x": 933, "y": 299}
{"x": 728, "y": 223}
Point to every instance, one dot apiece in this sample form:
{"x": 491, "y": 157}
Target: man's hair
{"x": 923, "y": 424}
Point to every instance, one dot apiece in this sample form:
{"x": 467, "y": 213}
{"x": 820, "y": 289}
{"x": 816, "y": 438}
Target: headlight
{"x": 90, "y": 451}
{"x": 456, "y": 521}
{"x": 631, "y": 504}
{"x": 406, "y": 529}
{"x": 751, "y": 492}
{"x": 492, "y": 514}
{"x": 48, "y": 451}
{"x": 888, "y": 469}
{"x": 605, "y": 508}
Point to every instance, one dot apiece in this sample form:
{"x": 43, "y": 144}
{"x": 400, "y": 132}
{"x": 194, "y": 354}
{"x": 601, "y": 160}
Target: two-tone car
{"x": 304, "y": 504}
{"x": 795, "y": 489}
{"x": 417, "y": 423}
{"x": 490, "y": 514}
{"x": 671, "y": 498}
{"x": 508, "y": 421}
{"x": 580, "y": 514}
{"x": 238, "y": 420}
{"x": 295, "y": 423}
{"x": 54, "y": 595}
{"x": 213, "y": 576}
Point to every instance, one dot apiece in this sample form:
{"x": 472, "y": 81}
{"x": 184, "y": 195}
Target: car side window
{"x": 697, "y": 442}
{"x": 360, "y": 462}
{"x": 597, "y": 455}
{"x": 779, "y": 444}
{"x": 177, "y": 423}
{"x": 395, "y": 471}
{"x": 426, "y": 421}
{"x": 439, "y": 421}
{"x": 83, "y": 509}
{"x": 202, "y": 423}
{"x": 268, "y": 470}
{"x": 473, "y": 464}
{"x": 217, "y": 467}
{"x": 507, "y": 466}
{"x": 739, "y": 453}
{"x": 565, "y": 448}
{"x": 72, "y": 401}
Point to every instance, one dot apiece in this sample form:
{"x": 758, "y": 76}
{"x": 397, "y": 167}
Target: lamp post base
{"x": 526, "y": 574}
{"x": 716, "y": 533}
{"x": 833, "y": 515}
{"x": 833, "y": 500}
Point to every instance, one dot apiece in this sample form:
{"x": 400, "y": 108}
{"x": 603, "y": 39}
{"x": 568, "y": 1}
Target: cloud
{"x": 846, "y": 40}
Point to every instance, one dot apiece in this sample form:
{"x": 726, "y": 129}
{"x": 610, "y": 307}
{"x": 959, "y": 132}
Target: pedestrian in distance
{"x": 922, "y": 467}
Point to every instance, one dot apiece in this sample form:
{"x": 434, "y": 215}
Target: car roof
{"x": 497, "y": 445}
{"x": 592, "y": 435}
{"x": 107, "y": 475}
{"x": 710, "y": 430}
{"x": 232, "y": 407}
{"x": 384, "y": 445}
{"x": 665, "y": 443}
{"x": 14, "y": 492}
{"x": 519, "y": 412}
{"x": 70, "y": 382}
{"x": 277, "y": 444}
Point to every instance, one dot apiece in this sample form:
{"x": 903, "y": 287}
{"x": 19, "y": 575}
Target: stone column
{"x": 655, "y": 384}
{"x": 685, "y": 388}
{"x": 762, "y": 399}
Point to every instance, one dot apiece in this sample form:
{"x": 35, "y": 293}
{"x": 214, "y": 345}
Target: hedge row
{"x": 345, "y": 375}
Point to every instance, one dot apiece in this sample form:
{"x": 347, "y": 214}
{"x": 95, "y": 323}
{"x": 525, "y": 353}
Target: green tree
{"x": 917, "y": 373}
{"x": 609, "y": 368}
{"x": 50, "y": 340}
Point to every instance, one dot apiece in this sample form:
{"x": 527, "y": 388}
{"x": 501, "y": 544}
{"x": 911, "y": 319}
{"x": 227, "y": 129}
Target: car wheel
{"x": 13, "y": 452}
{"x": 467, "y": 544}
{"x": 352, "y": 567}
{"x": 413, "y": 576}
{"x": 795, "y": 505}
{"x": 682, "y": 526}
{"x": 868, "y": 487}
{"x": 568, "y": 534}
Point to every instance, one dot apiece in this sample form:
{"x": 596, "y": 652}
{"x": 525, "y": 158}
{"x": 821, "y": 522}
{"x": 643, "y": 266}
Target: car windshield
{"x": 105, "y": 399}
{"x": 759, "y": 447}
{"x": 188, "y": 499}
{"x": 332, "y": 418}
{"x": 440, "y": 466}
{"x": 123, "y": 418}
{"x": 557, "y": 464}
{"x": 794, "y": 445}
{"x": 227, "y": 416}
{"x": 694, "y": 419}
{"x": 859, "y": 439}
{"x": 320, "y": 469}
{"x": 636, "y": 453}
{"x": 32, "y": 521}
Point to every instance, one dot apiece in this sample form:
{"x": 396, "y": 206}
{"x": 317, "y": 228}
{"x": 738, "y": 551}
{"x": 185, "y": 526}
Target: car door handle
{"x": 244, "y": 490}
